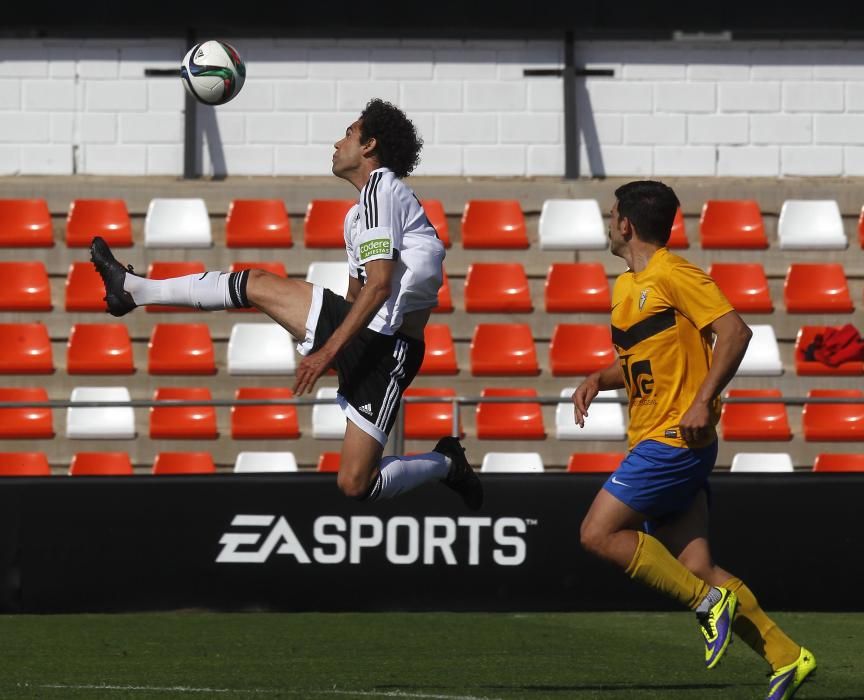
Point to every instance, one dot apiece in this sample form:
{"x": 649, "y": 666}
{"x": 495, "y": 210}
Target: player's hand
{"x": 695, "y": 423}
{"x": 582, "y": 398}
{"x": 310, "y": 369}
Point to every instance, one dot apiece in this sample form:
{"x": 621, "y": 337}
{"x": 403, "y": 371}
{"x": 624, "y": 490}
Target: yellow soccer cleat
{"x": 785, "y": 681}
{"x": 716, "y": 626}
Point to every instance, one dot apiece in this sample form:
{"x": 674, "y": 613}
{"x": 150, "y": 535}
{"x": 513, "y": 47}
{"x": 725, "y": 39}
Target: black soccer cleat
{"x": 113, "y": 275}
{"x": 461, "y": 478}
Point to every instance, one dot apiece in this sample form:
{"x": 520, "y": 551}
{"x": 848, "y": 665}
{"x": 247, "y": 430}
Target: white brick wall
{"x": 672, "y": 108}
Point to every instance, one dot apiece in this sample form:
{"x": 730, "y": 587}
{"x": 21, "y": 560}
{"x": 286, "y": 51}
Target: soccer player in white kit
{"x": 374, "y": 335}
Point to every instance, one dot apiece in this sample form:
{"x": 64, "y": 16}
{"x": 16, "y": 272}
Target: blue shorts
{"x": 659, "y": 480}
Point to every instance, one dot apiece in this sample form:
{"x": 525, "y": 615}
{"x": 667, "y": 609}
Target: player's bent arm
{"x": 733, "y": 337}
{"x": 354, "y": 287}
{"x": 611, "y": 377}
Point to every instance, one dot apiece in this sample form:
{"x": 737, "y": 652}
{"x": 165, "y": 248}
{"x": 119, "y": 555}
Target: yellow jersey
{"x": 659, "y": 328}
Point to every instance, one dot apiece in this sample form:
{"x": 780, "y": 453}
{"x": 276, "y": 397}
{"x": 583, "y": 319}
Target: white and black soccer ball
{"x": 213, "y": 72}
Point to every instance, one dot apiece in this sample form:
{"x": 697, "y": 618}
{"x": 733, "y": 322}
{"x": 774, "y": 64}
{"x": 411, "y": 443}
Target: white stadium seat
{"x": 763, "y": 354}
{"x": 605, "y": 420}
{"x": 177, "y": 223}
{"x": 328, "y": 421}
{"x": 331, "y": 275}
{"x": 512, "y": 462}
{"x": 572, "y": 224}
{"x": 811, "y": 224}
{"x": 260, "y": 348}
{"x": 248, "y": 462}
{"x": 744, "y": 462}
{"x": 100, "y": 423}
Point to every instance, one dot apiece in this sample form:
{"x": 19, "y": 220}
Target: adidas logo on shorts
{"x": 366, "y": 408}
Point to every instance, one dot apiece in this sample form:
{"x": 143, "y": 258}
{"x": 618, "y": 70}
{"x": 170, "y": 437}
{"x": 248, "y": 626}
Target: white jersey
{"x": 388, "y": 223}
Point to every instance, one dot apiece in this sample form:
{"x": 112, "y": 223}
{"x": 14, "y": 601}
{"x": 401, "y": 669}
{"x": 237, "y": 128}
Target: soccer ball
{"x": 213, "y": 72}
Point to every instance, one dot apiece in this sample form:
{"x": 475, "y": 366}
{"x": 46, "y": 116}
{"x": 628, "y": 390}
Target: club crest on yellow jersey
{"x": 642, "y": 297}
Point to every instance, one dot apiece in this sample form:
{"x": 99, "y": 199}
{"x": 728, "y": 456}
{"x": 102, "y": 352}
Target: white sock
{"x": 401, "y": 474}
{"x": 207, "y": 291}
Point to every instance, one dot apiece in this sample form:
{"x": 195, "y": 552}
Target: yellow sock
{"x": 654, "y": 565}
{"x": 759, "y": 631}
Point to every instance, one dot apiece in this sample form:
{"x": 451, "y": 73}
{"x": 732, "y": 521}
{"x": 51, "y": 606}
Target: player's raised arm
{"x": 611, "y": 377}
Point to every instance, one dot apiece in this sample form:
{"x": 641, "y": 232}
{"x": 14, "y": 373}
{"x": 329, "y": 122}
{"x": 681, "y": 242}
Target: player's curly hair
{"x": 651, "y": 207}
{"x": 399, "y": 143}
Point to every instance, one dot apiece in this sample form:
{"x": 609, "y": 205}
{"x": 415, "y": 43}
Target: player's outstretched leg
{"x": 785, "y": 681}
{"x": 113, "y": 276}
{"x": 715, "y": 615}
{"x": 461, "y": 477}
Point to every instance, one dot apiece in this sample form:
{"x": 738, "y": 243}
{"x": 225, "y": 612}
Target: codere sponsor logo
{"x": 404, "y": 539}
{"x": 378, "y": 246}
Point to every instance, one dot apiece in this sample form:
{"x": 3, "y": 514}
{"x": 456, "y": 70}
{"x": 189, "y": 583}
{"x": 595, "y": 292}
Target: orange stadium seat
{"x": 835, "y": 462}
{"x": 440, "y": 357}
{"x": 510, "y": 421}
{"x": 100, "y": 464}
{"x": 587, "y": 462}
{"x": 429, "y": 421}
{"x": 577, "y": 288}
{"x": 732, "y": 223}
{"x": 815, "y": 288}
{"x": 25, "y": 423}
{"x": 25, "y": 287}
{"x": 445, "y": 299}
{"x": 25, "y": 223}
{"x": 182, "y": 422}
{"x": 180, "y": 348}
{"x": 744, "y": 285}
{"x": 580, "y": 348}
{"x": 503, "y": 349}
{"x": 264, "y": 422}
{"x": 804, "y": 367}
{"x": 183, "y": 463}
{"x": 678, "y": 237}
{"x": 257, "y": 223}
{"x": 834, "y": 422}
{"x": 108, "y": 218}
{"x": 329, "y": 462}
{"x": 497, "y": 287}
{"x": 438, "y": 218}
{"x": 274, "y": 266}
{"x": 84, "y": 288}
{"x": 25, "y": 349}
{"x": 324, "y": 226}
{"x": 493, "y": 223}
{"x": 755, "y": 421}
{"x": 24, "y": 464}
{"x": 159, "y": 270}
{"x": 99, "y": 348}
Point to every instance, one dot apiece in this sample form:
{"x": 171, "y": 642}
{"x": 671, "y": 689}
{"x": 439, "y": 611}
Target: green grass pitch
{"x": 398, "y": 655}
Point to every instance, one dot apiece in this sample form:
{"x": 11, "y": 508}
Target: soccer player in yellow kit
{"x": 651, "y": 516}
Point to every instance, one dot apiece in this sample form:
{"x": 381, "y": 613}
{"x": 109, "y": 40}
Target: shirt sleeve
{"x": 382, "y": 222}
{"x": 696, "y": 295}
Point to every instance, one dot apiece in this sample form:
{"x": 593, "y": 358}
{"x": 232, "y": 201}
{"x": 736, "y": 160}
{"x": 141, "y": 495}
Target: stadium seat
{"x": 753, "y": 462}
{"x": 329, "y": 462}
{"x": 277, "y": 422}
{"x": 732, "y": 223}
{"x": 182, "y": 422}
{"x": 108, "y": 423}
{"x": 810, "y": 224}
{"x": 31, "y": 423}
{"x": 107, "y": 218}
{"x": 809, "y": 368}
{"x": 678, "y": 236}
{"x": 328, "y": 421}
{"x": 183, "y": 463}
{"x": 497, "y": 287}
{"x": 177, "y": 223}
{"x": 440, "y": 356}
{"x": 180, "y": 348}
{"x": 763, "y": 354}
{"x": 580, "y": 349}
{"x": 577, "y": 288}
{"x": 445, "y": 299}
{"x": 512, "y": 462}
{"x": 510, "y": 421}
{"x": 84, "y": 288}
{"x": 25, "y": 223}
{"x": 503, "y": 349}
{"x": 744, "y": 285}
{"x": 248, "y": 462}
{"x": 257, "y": 223}
{"x": 99, "y": 348}
{"x": 835, "y": 462}
{"x": 429, "y": 421}
{"x": 438, "y": 218}
{"x": 493, "y": 223}
{"x": 260, "y": 348}
{"x": 159, "y": 270}
{"x": 25, "y": 349}
{"x": 605, "y": 421}
{"x": 833, "y": 422}
{"x": 324, "y": 225}
{"x": 816, "y": 288}
{"x": 100, "y": 464}
{"x": 594, "y": 462}
{"x": 24, "y": 464}
{"x": 572, "y": 224}
{"x": 25, "y": 287}
{"x": 330, "y": 275}
{"x": 754, "y": 421}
